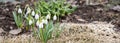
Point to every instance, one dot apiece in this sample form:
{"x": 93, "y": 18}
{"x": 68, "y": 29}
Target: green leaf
{"x": 15, "y": 18}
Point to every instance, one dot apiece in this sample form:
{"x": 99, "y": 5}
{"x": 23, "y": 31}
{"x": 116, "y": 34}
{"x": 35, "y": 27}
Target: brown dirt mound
{"x": 83, "y": 14}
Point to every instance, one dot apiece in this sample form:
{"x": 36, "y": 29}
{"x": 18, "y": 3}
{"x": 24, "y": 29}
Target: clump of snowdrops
{"x": 30, "y": 18}
{"x": 41, "y": 17}
{"x": 18, "y": 17}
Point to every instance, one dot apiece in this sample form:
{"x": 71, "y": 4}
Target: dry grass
{"x": 20, "y": 39}
{"x": 75, "y": 33}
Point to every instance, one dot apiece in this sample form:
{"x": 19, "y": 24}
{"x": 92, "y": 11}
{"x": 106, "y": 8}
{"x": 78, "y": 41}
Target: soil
{"x": 6, "y": 17}
{"x": 88, "y": 14}
{"x": 83, "y": 14}
{"x": 93, "y": 13}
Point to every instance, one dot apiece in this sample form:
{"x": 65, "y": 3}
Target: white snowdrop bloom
{"x": 45, "y": 21}
{"x": 54, "y": 17}
{"x": 48, "y": 16}
{"x": 19, "y": 10}
{"x": 30, "y": 22}
{"x": 28, "y": 10}
{"x": 36, "y": 16}
{"x": 41, "y": 25}
{"x": 37, "y": 23}
{"x": 33, "y": 13}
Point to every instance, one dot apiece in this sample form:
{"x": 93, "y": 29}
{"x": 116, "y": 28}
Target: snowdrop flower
{"x": 33, "y": 13}
{"x": 39, "y": 24}
{"x": 30, "y": 22}
{"x": 36, "y": 16}
{"x": 28, "y": 10}
{"x": 45, "y": 21}
{"x": 48, "y": 16}
{"x": 19, "y": 10}
{"x": 54, "y": 17}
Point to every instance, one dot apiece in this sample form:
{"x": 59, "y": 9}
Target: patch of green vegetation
{"x": 42, "y": 16}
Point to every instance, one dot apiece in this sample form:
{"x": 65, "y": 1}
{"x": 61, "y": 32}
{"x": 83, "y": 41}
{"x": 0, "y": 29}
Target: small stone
{"x": 99, "y": 9}
{"x": 11, "y": 27}
{"x": 15, "y": 31}
{"x": 1, "y": 30}
{"x": 81, "y": 20}
{"x": 117, "y": 8}
{"x": 2, "y": 18}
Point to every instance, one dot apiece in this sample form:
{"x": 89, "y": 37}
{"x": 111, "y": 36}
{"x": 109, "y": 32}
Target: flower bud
{"x": 33, "y": 13}
{"x": 36, "y": 16}
{"x": 48, "y": 16}
{"x": 30, "y": 22}
{"x": 54, "y": 17}
{"x": 41, "y": 25}
{"x": 19, "y": 10}
{"x": 28, "y": 10}
{"x": 37, "y": 23}
{"x": 45, "y": 21}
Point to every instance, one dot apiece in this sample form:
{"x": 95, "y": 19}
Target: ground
{"x": 87, "y": 24}
{"x": 99, "y": 32}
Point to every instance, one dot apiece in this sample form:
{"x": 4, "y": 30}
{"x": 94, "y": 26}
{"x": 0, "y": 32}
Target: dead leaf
{"x": 15, "y": 31}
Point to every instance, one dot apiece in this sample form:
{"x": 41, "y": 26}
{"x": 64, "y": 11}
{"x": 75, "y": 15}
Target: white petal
{"x": 54, "y": 17}
{"x": 28, "y": 10}
{"x": 46, "y": 22}
{"x": 43, "y": 21}
{"x": 37, "y": 23}
{"x": 48, "y": 16}
{"x": 41, "y": 25}
{"x": 30, "y": 22}
{"x": 19, "y": 10}
{"x": 36, "y": 16}
{"x": 33, "y": 13}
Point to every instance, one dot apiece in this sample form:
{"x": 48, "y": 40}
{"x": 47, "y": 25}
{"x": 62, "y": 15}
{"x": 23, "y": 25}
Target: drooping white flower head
{"x": 28, "y": 10}
{"x": 48, "y": 16}
{"x": 45, "y": 21}
{"x": 36, "y": 16}
{"x": 33, "y": 13}
{"x": 54, "y": 17}
{"x": 19, "y": 10}
{"x": 39, "y": 24}
{"x": 30, "y": 22}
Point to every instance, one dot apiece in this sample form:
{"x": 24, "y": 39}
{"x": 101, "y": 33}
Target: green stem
{"x": 41, "y": 35}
